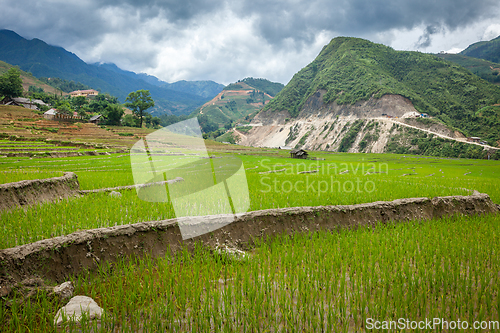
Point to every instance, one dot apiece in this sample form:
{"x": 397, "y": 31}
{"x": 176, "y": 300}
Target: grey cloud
{"x": 173, "y": 10}
{"x": 280, "y": 20}
{"x": 424, "y": 41}
{"x": 276, "y": 21}
{"x": 134, "y": 31}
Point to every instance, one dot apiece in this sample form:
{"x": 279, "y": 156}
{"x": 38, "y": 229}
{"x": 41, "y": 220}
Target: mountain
{"x": 237, "y": 102}
{"x": 488, "y": 50}
{"x": 205, "y": 89}
{"x": 43, "y": 60}
{"x": 355, "y": 91}
{"x": 485, "y": 69}
{"x": 350, "y": 70}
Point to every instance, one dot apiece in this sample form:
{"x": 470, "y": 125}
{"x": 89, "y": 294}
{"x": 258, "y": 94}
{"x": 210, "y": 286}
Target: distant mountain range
{"x": 43, "y": 60}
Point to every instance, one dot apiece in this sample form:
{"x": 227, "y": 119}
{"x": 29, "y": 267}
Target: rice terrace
{"x": 289, "y": 269}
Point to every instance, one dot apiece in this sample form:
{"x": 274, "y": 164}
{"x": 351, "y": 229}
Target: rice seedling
{"x": 368, "y": 178}
{"x": 314, "y": 282}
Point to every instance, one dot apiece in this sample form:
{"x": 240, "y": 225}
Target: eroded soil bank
{"x": 29, "y": 192}
{"x": 57, "y": 258}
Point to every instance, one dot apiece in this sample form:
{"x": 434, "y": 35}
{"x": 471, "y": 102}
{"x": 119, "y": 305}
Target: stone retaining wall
{"x": 57, "y": 258}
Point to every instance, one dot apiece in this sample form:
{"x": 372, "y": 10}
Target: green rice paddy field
{"x": 347, "y": 281}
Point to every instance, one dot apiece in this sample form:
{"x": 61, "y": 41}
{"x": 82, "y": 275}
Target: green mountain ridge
{"x": 353, "y": 69}
{"x": 263, "y": 85}
{"x": 485, "y": 69}
{"x": 488, "y": 50}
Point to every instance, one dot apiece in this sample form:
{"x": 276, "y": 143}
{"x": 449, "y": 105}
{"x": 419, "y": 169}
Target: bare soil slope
{"x": 321, "y": 126}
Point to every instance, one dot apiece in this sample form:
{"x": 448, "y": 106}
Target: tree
{"x": 139, "y": 101}
{"x": 77, "y": 102}
{"x": 11, "y": 84}
{"x": 65, "y": 108}
{"x": 156, "y": 122}
{"x": 147, "y": 119}
{"x": 130, "y": 121}
{"x": 114, "y": 114}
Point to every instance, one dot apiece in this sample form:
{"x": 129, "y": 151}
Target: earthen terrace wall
{"x": 57, "y": 258}
{"x": 28, "y": 192}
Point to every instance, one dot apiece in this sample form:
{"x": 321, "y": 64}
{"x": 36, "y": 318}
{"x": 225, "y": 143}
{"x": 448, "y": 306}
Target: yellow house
{"x": 85, "y": 93}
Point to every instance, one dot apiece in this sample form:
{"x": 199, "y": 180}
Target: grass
{"x": 371, "y": 177}
{"x": 311, "y": 282}
{"x": 308, "y": 282}
{"x": 26, "y": 174}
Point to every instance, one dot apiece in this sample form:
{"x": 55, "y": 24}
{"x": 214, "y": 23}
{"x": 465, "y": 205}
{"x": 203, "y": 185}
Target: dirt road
{"x": 464, "y": 140}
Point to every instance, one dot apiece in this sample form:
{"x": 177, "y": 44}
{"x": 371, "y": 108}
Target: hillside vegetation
{"x": 485, "y": 69}
{"x": 353, "y": 69}
{"x": 237, "y": 102}
{"x": 488, "y": 50}
{"x": 30, "y": 81}
{"x": 263, "y": 85}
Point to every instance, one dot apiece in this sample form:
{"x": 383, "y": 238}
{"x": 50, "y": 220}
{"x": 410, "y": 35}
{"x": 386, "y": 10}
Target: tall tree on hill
{"x": 11, "y": 84}
{"x": 139, "y": 101}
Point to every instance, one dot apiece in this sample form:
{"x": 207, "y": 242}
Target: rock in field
{"x": 75, "y": 309}
{"x": 64, "y": 290}
{"x": 115, "y": 194}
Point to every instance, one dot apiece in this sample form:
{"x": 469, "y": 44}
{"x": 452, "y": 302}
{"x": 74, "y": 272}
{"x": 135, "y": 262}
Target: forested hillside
{"x": 488, "y": 50}
{"x": 485, "y": 69}
{"x": 353, "y": 69}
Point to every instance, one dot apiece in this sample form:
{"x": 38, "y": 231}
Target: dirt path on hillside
{"x": 463, "y": 140}
{"x": 241, "y": 135}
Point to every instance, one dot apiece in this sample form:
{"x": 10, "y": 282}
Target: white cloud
{"x": 492, "y": 31}
{"x": 454, "y": 50}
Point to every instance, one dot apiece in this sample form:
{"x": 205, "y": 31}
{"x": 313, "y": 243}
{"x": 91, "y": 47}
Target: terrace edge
{"x": 29, "y": 192}
{"x": 58, "y": 258}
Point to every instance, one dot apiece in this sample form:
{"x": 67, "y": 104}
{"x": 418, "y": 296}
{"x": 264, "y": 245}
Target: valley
{"x": 394, "y": 212}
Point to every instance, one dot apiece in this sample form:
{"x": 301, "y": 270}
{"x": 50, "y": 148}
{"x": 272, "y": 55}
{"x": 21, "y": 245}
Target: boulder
{"x": 64, "y": 290}
{"x": 76, "y": 308}
{"x": 115, "y": 194}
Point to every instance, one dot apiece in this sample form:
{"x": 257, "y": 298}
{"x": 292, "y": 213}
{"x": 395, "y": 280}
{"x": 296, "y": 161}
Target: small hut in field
{"x": 96, "y": 119}
{"x": 298, "y": 153}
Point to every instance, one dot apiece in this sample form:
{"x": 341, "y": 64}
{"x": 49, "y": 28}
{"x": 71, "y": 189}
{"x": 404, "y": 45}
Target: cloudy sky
{"x": 226, "y": 41}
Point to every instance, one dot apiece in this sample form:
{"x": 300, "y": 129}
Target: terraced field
{"x": 314, "y": 282}
{"x": 20, "y": 122}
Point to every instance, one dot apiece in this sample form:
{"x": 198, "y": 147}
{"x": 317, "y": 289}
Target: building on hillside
{"x": 96, "y": 119}
{"x": 49, "y": 115}
{"x": 285, "y": 147}
{"x": 32, "y": 104}
{"x": 85, "y": 93}
{"x": 474, "y": 139}
{"x": 298, "y": 153}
